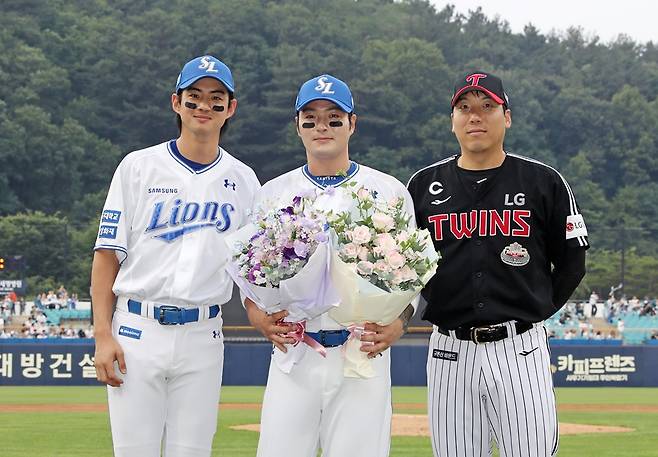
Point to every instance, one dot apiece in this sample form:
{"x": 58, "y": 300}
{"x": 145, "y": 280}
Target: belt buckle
{"x": 161, "y": 314}
{"x": 474, "y": 332}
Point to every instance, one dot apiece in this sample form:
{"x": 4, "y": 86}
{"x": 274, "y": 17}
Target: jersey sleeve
{"x": 567, "y": 225}
{"x": 255, "y": 187}
{"x": 115, "y": 218}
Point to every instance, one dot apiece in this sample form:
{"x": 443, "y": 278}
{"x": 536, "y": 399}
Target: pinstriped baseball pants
{"x": 500, "y": 391}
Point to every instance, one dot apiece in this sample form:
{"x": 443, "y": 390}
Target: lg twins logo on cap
{"x": 323, "y": 86}
{"x": 208, "y": 65}
{"x": 474, "y": 79}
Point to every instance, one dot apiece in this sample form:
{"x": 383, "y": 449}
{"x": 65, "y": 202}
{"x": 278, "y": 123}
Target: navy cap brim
{"x": 338, "y": 103}
{"x": 189, "y": 82}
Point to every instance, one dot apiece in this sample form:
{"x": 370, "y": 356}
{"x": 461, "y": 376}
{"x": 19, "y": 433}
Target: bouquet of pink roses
{"x": 379, "y": 264}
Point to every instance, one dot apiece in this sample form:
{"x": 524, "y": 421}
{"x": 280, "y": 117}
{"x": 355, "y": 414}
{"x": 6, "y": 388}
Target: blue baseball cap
{"x": 205, "y": 67}
{"x": 325, "y": 87}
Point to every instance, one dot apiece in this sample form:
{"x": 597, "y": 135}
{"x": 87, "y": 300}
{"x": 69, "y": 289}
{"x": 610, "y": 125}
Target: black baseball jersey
{"x": 499, "y": 233}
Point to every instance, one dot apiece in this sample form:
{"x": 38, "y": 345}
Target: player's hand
{"x": 380, "y": 337}
{"x": 269, "y": 325}
{"x": 107, "y": 351}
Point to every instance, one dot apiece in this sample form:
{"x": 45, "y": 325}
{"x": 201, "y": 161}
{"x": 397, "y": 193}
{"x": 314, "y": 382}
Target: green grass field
{"x": 49, "y": 434}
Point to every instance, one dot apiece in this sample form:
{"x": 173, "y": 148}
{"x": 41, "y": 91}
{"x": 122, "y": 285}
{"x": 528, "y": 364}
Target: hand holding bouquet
{"x": 379, "y": 264}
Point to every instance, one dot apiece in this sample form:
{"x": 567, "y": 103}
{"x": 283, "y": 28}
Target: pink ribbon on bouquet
{"x": 356, "y": 332}
{"x": 299, "y": 335}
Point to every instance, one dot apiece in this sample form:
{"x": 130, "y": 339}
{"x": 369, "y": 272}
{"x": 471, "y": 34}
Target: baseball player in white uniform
{"x": 160, "y": 257}
{"x": 308, "y": 403}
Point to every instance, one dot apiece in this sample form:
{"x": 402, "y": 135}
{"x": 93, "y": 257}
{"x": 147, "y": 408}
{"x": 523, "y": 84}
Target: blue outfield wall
{"x": 70, "y": 362}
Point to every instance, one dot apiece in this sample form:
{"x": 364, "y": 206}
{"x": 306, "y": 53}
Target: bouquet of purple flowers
{"x": 275, "y": 258}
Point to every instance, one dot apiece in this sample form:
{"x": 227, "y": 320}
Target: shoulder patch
{"x": 575, "y": 226}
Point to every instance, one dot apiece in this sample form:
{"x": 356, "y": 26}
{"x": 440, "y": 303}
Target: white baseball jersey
{"x": 166, "y": 219}
{"x": 167, "y": 222}
{"x": 313, "y": 405}
{"x": 280, "y": 192}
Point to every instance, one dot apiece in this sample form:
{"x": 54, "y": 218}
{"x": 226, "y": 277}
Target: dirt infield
{"x": 403, "y": 424}
{"x": 417, "y": 425}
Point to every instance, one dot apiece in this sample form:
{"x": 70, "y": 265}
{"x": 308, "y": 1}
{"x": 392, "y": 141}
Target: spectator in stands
{"x": 62, "y": 293}
{"x": 620, "y": 327}
{"x": 13, "y": 299}
{"x": 72, "y": 301}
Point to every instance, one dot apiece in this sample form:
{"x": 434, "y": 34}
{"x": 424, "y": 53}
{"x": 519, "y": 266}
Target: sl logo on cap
{"x": 323, "y": 86}
{"x": 208, "y": 65}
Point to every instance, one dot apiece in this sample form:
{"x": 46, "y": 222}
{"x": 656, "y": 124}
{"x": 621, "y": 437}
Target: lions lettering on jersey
{"x": 188, "y": 217}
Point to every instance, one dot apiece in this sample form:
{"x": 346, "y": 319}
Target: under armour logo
{"x": 228, "y": 184}
{"x": 208, "y": 65}
{"x": 474, "y": 79}
{"x": 215, "y": 334}
{"x": 527, "y": 353}
{"x": 324, "y": 86}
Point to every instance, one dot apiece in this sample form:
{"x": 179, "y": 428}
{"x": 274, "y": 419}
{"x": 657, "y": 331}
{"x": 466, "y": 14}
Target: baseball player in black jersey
{"x": 513, "y": 244}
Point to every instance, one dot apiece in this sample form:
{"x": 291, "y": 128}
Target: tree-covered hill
{"x": 82, "y": 83}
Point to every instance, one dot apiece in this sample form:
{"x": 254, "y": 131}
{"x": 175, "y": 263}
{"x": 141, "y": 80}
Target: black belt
{"x": 486, "y": 333}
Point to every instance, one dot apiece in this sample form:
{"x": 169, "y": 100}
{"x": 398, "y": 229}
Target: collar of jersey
{"x": 189, "y": 165}
{"x": 325, "y": 181}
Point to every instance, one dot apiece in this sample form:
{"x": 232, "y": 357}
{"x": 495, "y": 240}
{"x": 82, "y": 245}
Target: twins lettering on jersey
{"x": 483, "y": 222}
{"x": 188, "y": 217}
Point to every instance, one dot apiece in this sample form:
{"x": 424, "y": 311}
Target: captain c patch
{"x": 445, "y": 355}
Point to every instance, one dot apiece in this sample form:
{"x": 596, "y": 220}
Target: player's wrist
{"x": 405, "y": 317}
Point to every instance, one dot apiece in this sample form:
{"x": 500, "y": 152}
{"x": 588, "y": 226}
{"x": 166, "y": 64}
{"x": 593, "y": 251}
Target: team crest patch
{"x": 130, "y": 332}
{"x": 515, "y": 255}
{"x": 444, "y": 355}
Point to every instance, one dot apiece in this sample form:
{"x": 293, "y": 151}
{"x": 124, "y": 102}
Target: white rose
{"x": 350, "y": 250}
{"x": 365, "y": 268}
{"x": 385, "y": 242}
{"x": 395, "y": 259}
{"x": 363, "y": 193}
{"x": 382, "y": 268}
{"x": 383, "y": 221}
{"x": 361, "y": 234}
{"x": 408, "y": 274}
{"x": 402, "y": 236}
{"x": 398, "y": 277}
{"x": 363, "y": 253}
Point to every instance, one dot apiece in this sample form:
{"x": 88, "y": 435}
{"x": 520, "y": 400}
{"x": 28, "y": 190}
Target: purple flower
{"x": 321, "y": 237}
{"x": 288, "y": 253}
{"x": 301, "y": 249}
{"x": 297, "y": 200}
